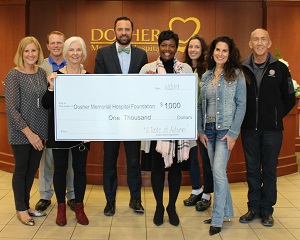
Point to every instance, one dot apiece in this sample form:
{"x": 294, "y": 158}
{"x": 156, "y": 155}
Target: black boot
{"x": 173, "y": 217}
{"x": 158, "y": 218}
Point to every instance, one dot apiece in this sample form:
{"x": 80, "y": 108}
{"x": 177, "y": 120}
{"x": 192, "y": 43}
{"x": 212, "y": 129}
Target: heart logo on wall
{"x": 196, "y": 30}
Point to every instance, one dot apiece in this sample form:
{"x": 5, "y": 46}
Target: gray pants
{"x": 46, "y": 176}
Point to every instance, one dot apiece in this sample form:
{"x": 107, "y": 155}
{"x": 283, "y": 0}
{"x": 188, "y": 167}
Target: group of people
{"x": 29, "y": 95}
{"x": 253, "y": 95}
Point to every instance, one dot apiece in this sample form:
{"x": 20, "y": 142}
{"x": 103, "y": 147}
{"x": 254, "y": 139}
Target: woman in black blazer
{"x": 75, "y": 53}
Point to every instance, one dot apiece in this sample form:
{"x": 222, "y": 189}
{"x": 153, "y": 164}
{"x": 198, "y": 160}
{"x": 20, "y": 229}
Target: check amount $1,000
{"x": 171, "y": 105}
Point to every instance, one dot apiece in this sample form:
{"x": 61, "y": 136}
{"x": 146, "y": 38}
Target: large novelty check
{"x": 125, "y": 107}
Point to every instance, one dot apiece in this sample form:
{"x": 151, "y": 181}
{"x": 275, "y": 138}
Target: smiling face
{"x": 123, "y": 32}
{"x": 55, "y": 45}
{"x": 167, "y": 49}
{"x": 30, "y": 55}
{"x": 259, "y": 43}
{"x": 194, "y": 49}
{"x": 221, "y": 53}
{"x": 75, "y": 53}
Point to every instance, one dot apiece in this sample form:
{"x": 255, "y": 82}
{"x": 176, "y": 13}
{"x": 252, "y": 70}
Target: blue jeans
{"x": 219, "y": 155}
{"x": 261, "y": 149}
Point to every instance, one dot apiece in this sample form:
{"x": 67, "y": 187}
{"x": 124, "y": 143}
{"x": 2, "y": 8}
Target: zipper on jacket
{"x": 256, "y": 91}
{"x": 256, "y": 103}
{"x": 256, "y": 114}
{"x": 276, "y": 117}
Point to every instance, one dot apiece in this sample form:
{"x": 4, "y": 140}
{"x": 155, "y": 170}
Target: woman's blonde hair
{"x": 21, "y": 48}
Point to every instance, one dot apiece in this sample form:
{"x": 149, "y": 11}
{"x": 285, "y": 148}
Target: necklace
{"x": 217, "y": 74}
{"x": 79, "y": 70}
{"x": 36, "y": 87}
{"x": 216, "y": 77}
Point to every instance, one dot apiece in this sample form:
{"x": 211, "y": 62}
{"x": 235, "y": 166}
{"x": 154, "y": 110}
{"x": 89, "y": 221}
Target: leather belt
{"x": 210, "y": 119}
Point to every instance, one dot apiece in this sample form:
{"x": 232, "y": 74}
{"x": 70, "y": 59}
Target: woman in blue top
{"x": 220, "y": 115}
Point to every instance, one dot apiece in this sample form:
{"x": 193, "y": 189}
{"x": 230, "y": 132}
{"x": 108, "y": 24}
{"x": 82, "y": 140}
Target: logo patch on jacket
{"x": 271, "y": 73}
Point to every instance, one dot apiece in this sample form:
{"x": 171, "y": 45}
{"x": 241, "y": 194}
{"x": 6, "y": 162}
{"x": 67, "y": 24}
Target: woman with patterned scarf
{"x": 167, "y": 155}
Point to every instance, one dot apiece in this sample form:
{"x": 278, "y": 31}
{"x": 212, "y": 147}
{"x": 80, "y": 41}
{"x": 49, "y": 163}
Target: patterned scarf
{"x": 167, "y": 150}
{"x": 178, "y": 68}
{"x": 167, "y": 147}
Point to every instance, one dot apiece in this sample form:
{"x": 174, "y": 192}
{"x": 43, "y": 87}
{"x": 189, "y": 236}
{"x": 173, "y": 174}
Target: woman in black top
{"x": 74, "y": 53}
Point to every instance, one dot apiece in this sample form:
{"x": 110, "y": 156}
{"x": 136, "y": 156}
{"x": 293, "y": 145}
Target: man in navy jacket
{"x": 121, "y": 58}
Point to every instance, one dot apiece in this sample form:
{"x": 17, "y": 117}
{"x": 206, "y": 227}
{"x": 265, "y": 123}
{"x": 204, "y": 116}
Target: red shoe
{"x": 80, "y": 214}
{"x": 61, "y": 219}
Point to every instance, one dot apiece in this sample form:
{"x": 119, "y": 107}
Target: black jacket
{"x": 107, "y": 61}
{"x": 48, "y": 103}
{"x": 267, "y": 106}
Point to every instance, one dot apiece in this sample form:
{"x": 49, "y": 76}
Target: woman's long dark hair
{"x": 201, "y": 68}
{"x": 234, "y": 58}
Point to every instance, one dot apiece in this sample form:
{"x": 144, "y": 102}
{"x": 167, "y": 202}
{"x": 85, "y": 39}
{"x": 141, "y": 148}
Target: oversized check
{"x": 125, "y": 107}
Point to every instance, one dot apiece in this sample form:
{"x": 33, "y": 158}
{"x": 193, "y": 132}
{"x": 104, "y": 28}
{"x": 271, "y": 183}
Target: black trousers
{"x": 60, "y": 157}
{"x": 27, "y": 161}
{"x": 110, "y": 177}
{"x": 158, "y": 177}
{"x": 207, "y": 172}
{"x": 261, "y": 149}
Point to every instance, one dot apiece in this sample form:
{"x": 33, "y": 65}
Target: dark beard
{"x": 123, "y": 42}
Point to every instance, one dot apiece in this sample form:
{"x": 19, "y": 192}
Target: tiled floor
{"x": 127, "y": 225}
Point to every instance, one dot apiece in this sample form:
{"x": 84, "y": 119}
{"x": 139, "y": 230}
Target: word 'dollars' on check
{"x": 100, "y": 107}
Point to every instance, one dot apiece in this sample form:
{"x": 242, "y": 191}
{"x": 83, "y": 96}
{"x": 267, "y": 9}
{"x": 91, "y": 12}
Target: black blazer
{"x": 48, "y": 103}
{"x": 107, "y": 61}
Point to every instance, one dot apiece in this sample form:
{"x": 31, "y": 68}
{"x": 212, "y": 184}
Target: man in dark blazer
{"x": 121, "y": 58}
